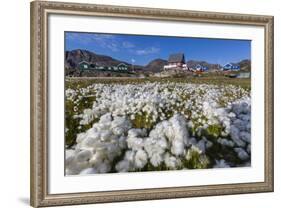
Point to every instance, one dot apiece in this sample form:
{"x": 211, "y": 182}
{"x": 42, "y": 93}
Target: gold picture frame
{"x": 39, "y": 103}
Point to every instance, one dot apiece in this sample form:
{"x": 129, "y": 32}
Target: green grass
{"x": 73, "y": 124}
{"x": 195, "y": 160}
{"x": 216, "y": 80}
{"x": 143, "y": 121}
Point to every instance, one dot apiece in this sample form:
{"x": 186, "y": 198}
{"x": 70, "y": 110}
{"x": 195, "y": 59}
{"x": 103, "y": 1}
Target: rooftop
{"x": 176, "y": 58}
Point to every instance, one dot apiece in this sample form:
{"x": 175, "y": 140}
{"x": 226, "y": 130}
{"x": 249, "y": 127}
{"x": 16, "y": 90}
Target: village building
{"x": 231, "y": 67}
{"x": 184, "y": 67}
{"x": 92, "y": 66}
{"x": 122, "y": 67}
{"x": 201, "y": 68}
{"x": 100, "y": 68}
{"x": 198, "y": 67}
{"x": 244, "y": 75}
{"x": 176, "y": 60}
{"x": 84, "y": 65}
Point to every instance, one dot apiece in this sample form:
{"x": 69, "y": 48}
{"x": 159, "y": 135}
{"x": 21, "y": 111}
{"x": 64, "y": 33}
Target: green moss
{"x": 218, "y": 151}
{"x": 73, "y": 124}
{"x": 150, "y": 167}
{"x": 143, "y": 121}
{"x": 86, "y": 102}
{"x": 195, "y": 160}
{"x": 214, "y": 130}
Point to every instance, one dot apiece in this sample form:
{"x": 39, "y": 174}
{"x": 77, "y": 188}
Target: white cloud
{"x": 106, "y": 41}
{"x": 127, "y": 44}
{"x": 101, "y": 37}
{"x": 112, "y": 47}
{"x": 147, "y": 51}
{"x": 102, "y": 40}
{"x": 110, "y": 42}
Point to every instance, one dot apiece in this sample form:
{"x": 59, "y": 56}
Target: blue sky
{"x": 141, "y": 49}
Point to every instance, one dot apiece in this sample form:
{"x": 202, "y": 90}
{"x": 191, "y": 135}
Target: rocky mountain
{"x": 194, "y": 63}
{"x": 245, "y": 65}
{"x": 156, "y": 65}
{"x": 72, "y": 58}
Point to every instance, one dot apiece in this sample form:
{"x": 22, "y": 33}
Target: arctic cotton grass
{"x": 157, "y": 126}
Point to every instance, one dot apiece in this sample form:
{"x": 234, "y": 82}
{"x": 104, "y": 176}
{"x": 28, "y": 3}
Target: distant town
{"x": 79, "y": 63}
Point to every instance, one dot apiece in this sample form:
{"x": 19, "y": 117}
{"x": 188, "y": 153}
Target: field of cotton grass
{"x": 152, "y": 126}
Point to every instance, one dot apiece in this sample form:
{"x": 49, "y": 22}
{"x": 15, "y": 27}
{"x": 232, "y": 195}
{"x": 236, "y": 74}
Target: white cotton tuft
{"x": 192, "y": 141}
{"x": 90, "y": 140}
{"x": 245, "y": 136}
{"x": 134, "y": 141}
{"x": 249, "y": 148}
{"x": 175, "y": 131}
{"x": 156, "y": 159}
{"x": 123, "y": 166}
{"x": 221, "y": 164}
{"x": 242, "y": 154}
{"x": 140, "y": 159}
{"x": 87, "y": 117}
{"x": 99, "y": 146}
{"x": 121, "y": 121}
{"x": 191, "y": 150}
{"x": 122, "y": 142}
{"x": 201, "y": 146}
{"x": 225, "y": 142}
{"x": 181, "y": 137}
{"x": 103, "y": 167}
{"x": 69, "y": 157}
{"x": 88, "y": 171}
{"x": 80, "y": 137}
{"x": 106, "y": 118}
{"x": 171, "y": 161}
{"x": 155, "y": 148}
{"x": 136, "y": 133}
{"x": 84, "y": 156}
{"x": 118, "y": 131}
{"x": 130, "y": 155}
{"x": 177, "y": 147}
{"x": 235, "y": 136}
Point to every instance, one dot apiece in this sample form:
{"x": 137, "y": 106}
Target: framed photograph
{"x": 142, "y": 103}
